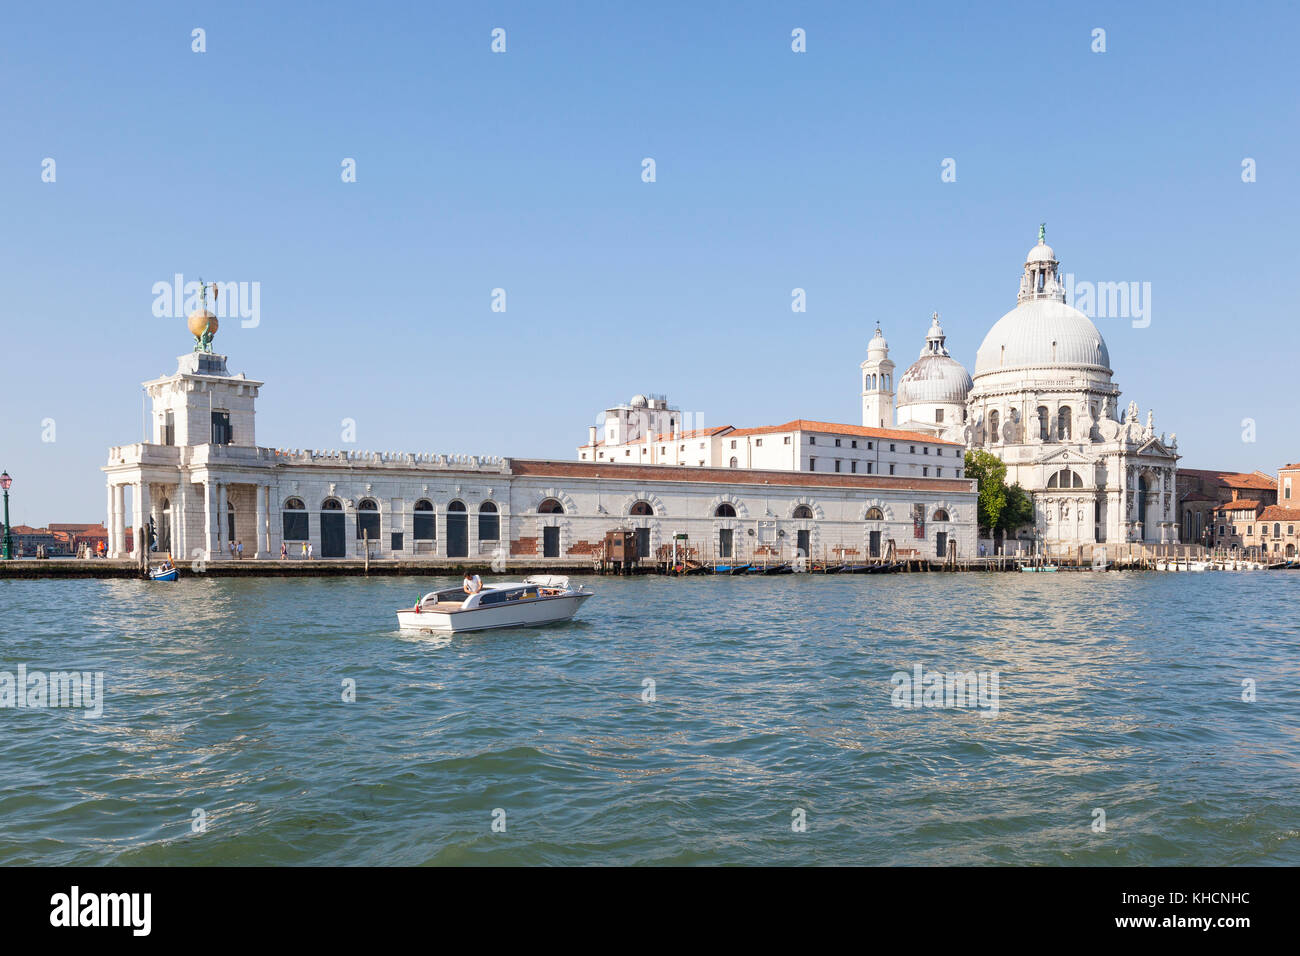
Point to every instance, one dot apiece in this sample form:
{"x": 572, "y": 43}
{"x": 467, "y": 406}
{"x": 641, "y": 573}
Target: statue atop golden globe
{"x": 202, "y": 323}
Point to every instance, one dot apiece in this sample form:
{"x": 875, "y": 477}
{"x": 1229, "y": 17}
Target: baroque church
{"x": 1042, "y": 399}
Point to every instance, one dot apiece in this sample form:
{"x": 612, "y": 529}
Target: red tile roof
{"x": 1238, "y": 505}
{"x": 1278, "y": 513}
{"x": 836, "y": 428}
{"x": 676, "y": 473}
{"x": 1233, "y": 479}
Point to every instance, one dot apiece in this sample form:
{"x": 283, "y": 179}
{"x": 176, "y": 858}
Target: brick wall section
{"x": 523, "y": 546}
{"x": 585, "y": 547}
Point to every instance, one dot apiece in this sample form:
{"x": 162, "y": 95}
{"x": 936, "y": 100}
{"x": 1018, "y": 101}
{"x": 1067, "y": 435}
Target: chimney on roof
{"x": 591, "y": 435}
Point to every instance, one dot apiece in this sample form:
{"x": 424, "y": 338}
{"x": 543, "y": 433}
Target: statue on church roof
{"x": 203, "y": 323}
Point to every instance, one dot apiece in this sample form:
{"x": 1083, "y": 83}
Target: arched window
{"x": 296, "y": 521}
{"x": 1044, "y": 423}
{"x": 734, "y": 462}
{"x": 875, "y": 514}
{"x": 993, "y": 425}
{"x": 724, "y": 510}
{"x": 1063, "y": 423}
{"x": 803, "y": 511}
{"x": 940, "y": 515}
{"x": 456, "y": 506}
{"x": 489, "y": 522}
{"x": 367, "y": 519}
{"x": 331, "y": 504}
{"x": 550, "y": 507}
{"x": 643, "y": 507}
{"x": 425, "y": 525}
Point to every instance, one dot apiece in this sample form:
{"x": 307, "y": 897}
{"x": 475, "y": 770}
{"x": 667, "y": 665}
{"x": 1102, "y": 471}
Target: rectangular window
{"x": 892, "y": 447}
{"x": 869, "y": 446}
{"x": 812, "y": 464}
{"x": 926, "y": 449}
{"x": 787, "y": 439}
{"x": 870, "y": 468}
{"x": 891, "y": 467}
{"x": 837, "y": 464}
{"x": 925, "y": 472}
{"x": 812, "y": 439}
{"x": 938, "y": 473}
{"x": 938, "y": 415}
{"x": 853, "y": 443}
{"x": 853, "y": 467}
{"x": 425, "y": 527}
{"x": 397, "y": 541}
{"x": 221, "y": 428}
{"x": 733, "y": 443}
{"x": 837, "y": 443}
{"x": 911, "y": 449}
{"x": 169, "y": 433}
{"x": 759, "y": 441}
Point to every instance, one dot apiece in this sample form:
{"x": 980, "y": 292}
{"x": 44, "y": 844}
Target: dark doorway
{"x": 333, "y": 535}
{"x": 874, "y": 544}
{"x": 803, "y": 542}
{"x": 550, "y": 542}
{"x": 643, "y": 542}
{"x": 724, "y": 543}
{"x": 457, "y": 531}
{"x": 941, "y": 544}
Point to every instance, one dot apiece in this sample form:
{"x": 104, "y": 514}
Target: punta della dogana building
{"x": 203, "y": 482}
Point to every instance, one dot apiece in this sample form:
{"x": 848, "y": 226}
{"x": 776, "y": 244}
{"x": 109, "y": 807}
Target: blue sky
{"x": 522, "y": 171}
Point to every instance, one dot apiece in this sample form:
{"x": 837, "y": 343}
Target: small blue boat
{"x": 164, "y": 573}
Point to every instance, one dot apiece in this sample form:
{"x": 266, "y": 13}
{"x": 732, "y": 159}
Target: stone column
{"x": 220, "y": 491}
{"x": 209, "y": 518}
{"x": 108, "y": 520}
{"x": 119, "y": 521}
{"x": 140, "y": 521}
{"x": 260, "y": 545}
{"x": 180, "y": 550}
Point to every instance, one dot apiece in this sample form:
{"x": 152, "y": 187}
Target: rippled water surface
{"x": 1117, "y": 691}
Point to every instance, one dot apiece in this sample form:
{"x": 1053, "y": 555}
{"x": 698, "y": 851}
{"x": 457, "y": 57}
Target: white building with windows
{"x": 202, "y": 482}
{"x": 1043, "y": 400}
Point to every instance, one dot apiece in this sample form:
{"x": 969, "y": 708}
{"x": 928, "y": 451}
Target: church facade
{"x": 1042, "y": 399}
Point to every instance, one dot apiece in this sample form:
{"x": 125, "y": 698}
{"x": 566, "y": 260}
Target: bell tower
{"x": 878, "y": 384}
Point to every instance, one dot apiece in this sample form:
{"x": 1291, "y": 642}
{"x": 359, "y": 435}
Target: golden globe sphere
{"x": 200, "y": 321}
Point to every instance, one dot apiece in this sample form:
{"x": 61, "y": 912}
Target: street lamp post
{"x": 5, "y": 482}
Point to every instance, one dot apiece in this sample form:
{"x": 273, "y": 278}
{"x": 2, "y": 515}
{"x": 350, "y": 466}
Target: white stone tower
{"x": 878, "y": 384}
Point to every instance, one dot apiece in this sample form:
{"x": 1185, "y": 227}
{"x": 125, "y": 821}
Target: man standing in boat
{"x": 472, "y": 583}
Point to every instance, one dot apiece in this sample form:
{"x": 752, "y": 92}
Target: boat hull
{"x": 551, "y": 610}
{"x": 170, "y": 575}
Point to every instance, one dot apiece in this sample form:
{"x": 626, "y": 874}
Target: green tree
{"x": 1018, "y": 510}
{"x": 990, "y": 474}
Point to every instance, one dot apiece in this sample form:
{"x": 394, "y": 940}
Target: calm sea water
{"x": 1117, "y": 691}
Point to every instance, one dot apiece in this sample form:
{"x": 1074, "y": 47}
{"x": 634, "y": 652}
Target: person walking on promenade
{"x": 284, "y": 551}
{"x": 239, "y": 548}
{"x": 311, "y": 551}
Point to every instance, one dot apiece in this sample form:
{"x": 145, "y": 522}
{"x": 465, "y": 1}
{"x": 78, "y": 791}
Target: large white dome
{"x": 1042, "y": 333}
{"x": 937, "y": 379}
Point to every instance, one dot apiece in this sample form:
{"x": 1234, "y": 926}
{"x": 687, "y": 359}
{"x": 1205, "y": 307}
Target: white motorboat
{"x": 540, "y": 599}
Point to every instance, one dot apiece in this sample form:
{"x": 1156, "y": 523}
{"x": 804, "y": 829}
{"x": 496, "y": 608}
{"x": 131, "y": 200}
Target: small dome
{"x": 877, "y": 343}
{"x": 1041, "y": 253}
{"x": 200, "y": 321}
{"x": 1042, "y": 333}
{"x": 639, "y": 401}
{"x": 934, "y": 379}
